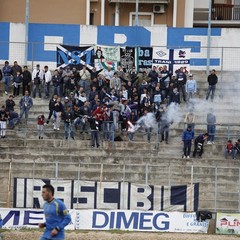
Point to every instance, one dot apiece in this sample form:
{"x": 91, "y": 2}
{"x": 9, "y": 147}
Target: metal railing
{"x": 218, "y": 190}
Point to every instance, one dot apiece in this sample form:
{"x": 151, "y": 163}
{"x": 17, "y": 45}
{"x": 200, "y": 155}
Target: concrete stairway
{"x": 136, "y": 161}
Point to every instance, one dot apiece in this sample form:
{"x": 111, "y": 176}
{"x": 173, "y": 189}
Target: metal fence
{"x": 219, "y": 186}
{"x": 222, "y": 58}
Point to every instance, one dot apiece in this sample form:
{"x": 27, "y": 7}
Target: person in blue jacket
{"x": 56, "y": 215}
{"x": 187, "y": 137}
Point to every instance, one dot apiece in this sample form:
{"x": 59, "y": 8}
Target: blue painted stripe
{"x": 36, "y": 52}
{"x": 203, "y": 62}
{"x": 4, "y": 40}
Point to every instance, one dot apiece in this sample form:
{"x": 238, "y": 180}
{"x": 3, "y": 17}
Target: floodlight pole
{"x": 26, "y": 31}
{"x": 209, "y": 35}
{"x": 136, "y": 14}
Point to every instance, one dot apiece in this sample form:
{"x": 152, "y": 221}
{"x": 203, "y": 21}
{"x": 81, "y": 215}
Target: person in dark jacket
{"x": 181, "y": 80}
{"x": 212, "y": 82}
{"x": 198, "y": 144}
{"x": 7, "y": 72}
{"x": 187, "y": 137}
{"x": 26, "y": 80}
{"x": 10, "y": 103}
{"x": 94, "y": 125}
{"x": 17, "y": 81}
{"x": 236, "y": 149}
{"x": 68, "y": 117}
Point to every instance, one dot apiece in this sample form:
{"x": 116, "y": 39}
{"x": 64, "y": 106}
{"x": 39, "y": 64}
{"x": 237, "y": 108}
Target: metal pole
{"x": 56, "y": 170}
{"x": 9, "y": 184}
{"x": 216, "y": 192}
{"x": 136, "y": 14}
{"x": 26, "y": 30}
{"x": 209, "y": 35}
{"x": 238, "y": 190}
{"x": 146, "y": 174}
{"x": 191, "y": 193}
{"x": 78, "y": 192}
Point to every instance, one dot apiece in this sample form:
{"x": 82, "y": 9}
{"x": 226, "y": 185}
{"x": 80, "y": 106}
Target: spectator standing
{"x": 50, "y": 106}
{"x": 94, "y": 126}
{"x": 198, "y": 144}
{"x": 37, "y": 79}
{"x": 236, "y": 148}
{"x": 65, "y": 79}
{"x": 229, "y": 149}
{"x": 191, "y": 87}
{"x": 47, "y": 78}
{"x": 68, "y": 117}
{"x": 16, "y": 68}
{"x": 181, "y": 80}
{"x": 26, "y": 80}
{"x": 3, "y": 122}
{"x": 40, "y": 126}
{"x": 189, "y": 119}
{"x": 187, "y": 137}
{"x": 85, "y": 78}
{"x": 164, "y": 125}
{"x": 25, "y": 105}
{"x": 115, "y": 83}
{"x": 166, "y": 76}
{"x": 211, "y": 126}
{"x": 212, "y": 82}
{"x": 56, "y": 215}
{"x": 17, "y": 81}
{"x": 57, "y": 113}
{"x": 56, "y": 83}
{"x": 7, "y": 71}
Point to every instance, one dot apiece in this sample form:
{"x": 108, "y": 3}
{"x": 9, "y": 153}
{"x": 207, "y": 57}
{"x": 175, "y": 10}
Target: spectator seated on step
{"x": 229, "y": 150}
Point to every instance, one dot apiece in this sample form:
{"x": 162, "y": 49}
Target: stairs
{"x": 137, "y": 161}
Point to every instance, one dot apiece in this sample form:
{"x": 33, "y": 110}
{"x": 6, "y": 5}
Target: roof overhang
{"x": 141, "y": 1}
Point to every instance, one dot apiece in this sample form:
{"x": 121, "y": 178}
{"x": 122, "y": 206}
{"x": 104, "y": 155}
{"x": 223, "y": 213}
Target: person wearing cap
{"x": 212, "y": 82}
{"x": 37, "y": 78}
{"x": 7, "y": 71}
{"x": 191, "y": 87}
{"x": 187, "y": 137}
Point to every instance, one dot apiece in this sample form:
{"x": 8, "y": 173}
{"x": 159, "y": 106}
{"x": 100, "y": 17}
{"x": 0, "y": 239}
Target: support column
{"x": 117, "y": 14}
{"x": 102, "y": 12}
{"x": 189, "y": 9}
{"x": 175, "y": 13}
{"x": 87, "y": 12}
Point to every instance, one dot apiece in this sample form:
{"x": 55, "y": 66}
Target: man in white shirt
{"x": 85, "y": 77}
{"x": 47, "y": 77}
{"x": 37, "y": 79}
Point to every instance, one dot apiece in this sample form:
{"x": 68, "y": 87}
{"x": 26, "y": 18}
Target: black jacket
{"x": 212, "y": 79}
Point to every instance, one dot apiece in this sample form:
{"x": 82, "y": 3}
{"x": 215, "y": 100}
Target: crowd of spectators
{"x": 105, "y": 100}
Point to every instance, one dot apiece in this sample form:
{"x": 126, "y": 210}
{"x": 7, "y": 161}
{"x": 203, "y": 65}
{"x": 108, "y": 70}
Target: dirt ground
{"x": 101, "y": 235}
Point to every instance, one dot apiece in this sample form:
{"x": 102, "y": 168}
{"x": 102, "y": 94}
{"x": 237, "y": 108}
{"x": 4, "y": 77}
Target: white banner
{"x": 108, "y": 195}
{"x": 173, "y": 58}
{"x": 228, "y": 223}
{"x": 28, "y": 218}
{"x": 152, "y": 221}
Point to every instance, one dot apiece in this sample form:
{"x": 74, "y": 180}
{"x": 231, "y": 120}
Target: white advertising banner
{"x": 14, "y": 218}
{"x": 228, "y": 223}
{"x": 152, "y": 221}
